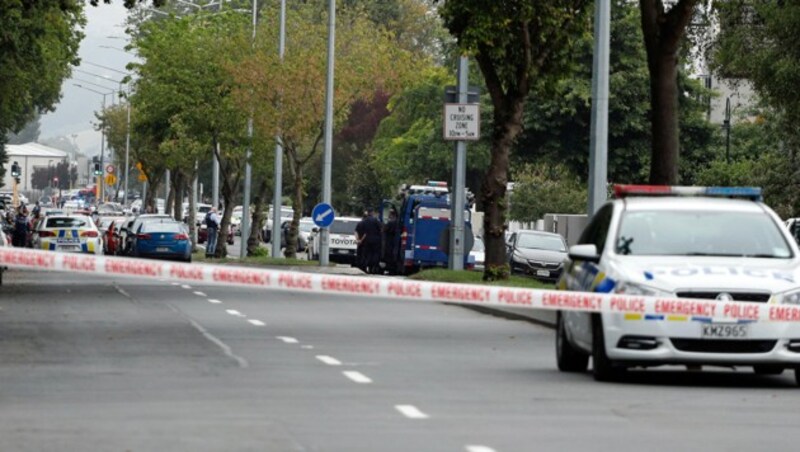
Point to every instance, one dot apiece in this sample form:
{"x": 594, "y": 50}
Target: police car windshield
{"x": 541, "y": 242}
{"x": 700, "y": 233}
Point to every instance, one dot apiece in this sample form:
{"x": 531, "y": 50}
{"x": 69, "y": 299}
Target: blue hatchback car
{"x": 167, "y": 240}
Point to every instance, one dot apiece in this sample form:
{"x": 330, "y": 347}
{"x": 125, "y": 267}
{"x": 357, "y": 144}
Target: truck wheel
{"x": 569, "y": 358}
{"x": 603, "y": 368}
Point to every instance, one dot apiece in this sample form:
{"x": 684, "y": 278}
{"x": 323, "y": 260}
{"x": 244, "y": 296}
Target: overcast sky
{"x": 74, "y": 115}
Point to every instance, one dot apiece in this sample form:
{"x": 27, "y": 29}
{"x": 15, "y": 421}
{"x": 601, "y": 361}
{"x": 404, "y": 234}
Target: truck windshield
{"x": 701, "y": 233}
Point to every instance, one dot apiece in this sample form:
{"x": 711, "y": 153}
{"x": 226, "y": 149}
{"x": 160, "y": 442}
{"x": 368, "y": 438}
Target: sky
{"x": 74, "y": 115}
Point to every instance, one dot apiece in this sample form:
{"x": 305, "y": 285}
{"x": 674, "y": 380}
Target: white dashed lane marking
{"x": 477, "y": 448}
{"x": 357, "y": 377}
{"x": 329, "y": 360}
{"x": 286, "y": 339}
{"x": 307, "y": 347}
{"x": 256, "y": 322}
{"x": 198, "y": 293}
{"x": 235, "y": 313}
{"x": 411, "y": 412}
{"x": 214, "y": 300}
{"x": 186, "y": 286}
{"x": 175, "y": 284}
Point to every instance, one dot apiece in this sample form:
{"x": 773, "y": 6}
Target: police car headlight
{"x": 792, "y": 297}
{"x": 638, "y": 289}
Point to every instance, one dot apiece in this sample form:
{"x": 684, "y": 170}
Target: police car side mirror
{"x": 587, "y": 252}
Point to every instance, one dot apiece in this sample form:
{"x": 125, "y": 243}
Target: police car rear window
{"x": 65, "y": 222}
{"x": 685, "y": 233}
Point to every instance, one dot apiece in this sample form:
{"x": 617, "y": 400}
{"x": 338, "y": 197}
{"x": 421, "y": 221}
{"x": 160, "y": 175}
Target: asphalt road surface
{"x": 104, "y": 365}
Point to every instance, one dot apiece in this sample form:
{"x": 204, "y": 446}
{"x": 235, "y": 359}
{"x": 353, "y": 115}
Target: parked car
{"x": 538, "y": 254}
{"x": 109, "y": 228}
{"x": 129, "y": 231}
{"x": 202, "y": 234}
{"x": 304, "y": 230}
{"x": 166, "y": 239}
{"x": 478, "y": 253}
{"x": 68, "y": 233}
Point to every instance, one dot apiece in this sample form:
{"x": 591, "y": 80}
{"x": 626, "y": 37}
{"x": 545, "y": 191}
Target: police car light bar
{"x": 752, "y": 193}
{"x": 436, "y": 183}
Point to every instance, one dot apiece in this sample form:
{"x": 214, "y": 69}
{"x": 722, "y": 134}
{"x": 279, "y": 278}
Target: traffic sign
{"x": 462, "y": 122}
{"x": 322, "y": 215}
{"x": 111, "y": 179}
{"x": 110, "y": 169}
{"x": 142, "y": 177}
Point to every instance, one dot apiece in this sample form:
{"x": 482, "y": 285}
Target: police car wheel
{"x": 603, "y": 368}
{"x": 766, "y": 369}
{"x": 569, "y": 358}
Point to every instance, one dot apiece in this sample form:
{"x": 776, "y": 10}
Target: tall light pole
{"x": 102, "y": 140}
{"x": 278, "y": 191}
{"x": 327, "y": 157}
{"x": 248, "y": 168}
{"x": 598, "y": 152}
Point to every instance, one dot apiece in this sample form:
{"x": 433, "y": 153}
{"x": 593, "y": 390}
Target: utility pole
{"x": 127, "y": 148}
{"x": 328, "y": 153}
{"x": 458, "y": 199}
{"x": 598, "y": 152}
{"x": 278, "y": 191}
{"x": 248, "y": 168}
{"x": 215, "y": 180}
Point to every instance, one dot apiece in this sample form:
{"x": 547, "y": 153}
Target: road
{"x": 127, "y": 366}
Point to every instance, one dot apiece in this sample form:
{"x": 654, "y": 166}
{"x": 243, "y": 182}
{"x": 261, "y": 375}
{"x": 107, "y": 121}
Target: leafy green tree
{"x": 38, "y": 44}
{"x": 546, "y": 188}
{"x": 516, "y": 44}
{"x": 288, "y": 96}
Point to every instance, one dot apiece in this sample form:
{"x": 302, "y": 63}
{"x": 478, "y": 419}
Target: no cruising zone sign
{"x": 462, "y": 122}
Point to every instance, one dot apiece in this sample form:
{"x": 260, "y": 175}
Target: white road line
{"x": 477, "y": 448}
{"x": 234, "y": 312}
{"x": 357, "y": 377}
{"x": 198, "y": 293}
{"x": 411, "y": 412}
{"x": 176, "y": 284}
{"x": 256, "y": 322}
{"x": 186, "y": 286}
{"x": 214, "y": 300}
{"x": 286, "y": 339}
{"x": 329, "y": 360}
{"x": 225, "y": 348}
{"x": 307, "y": 347}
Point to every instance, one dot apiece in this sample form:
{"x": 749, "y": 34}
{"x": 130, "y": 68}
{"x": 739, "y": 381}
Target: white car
{"x": 68, "y": 233}
{"x": 478, "y": 253}
{"x": 685, "y": 242}
{"x": 341, "y": 241}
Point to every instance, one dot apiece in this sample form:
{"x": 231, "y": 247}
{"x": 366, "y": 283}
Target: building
{"x": 30, "y": 156}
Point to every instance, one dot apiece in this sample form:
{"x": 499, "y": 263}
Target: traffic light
{"x": 97, "y": 170}
{"x": 15, "y": 170}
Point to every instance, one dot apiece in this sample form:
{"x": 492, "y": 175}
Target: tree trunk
{"x": 663, "y": 32}
{"x": 222, "y": 238}
{"x": 169, "y": 203}
{"x": 297, "y": 203}
{"x": 664, "y": 123}
{"x": 507, "y": 127}
{"x": 192, "y": 217}
{"x": 257, "y": 222}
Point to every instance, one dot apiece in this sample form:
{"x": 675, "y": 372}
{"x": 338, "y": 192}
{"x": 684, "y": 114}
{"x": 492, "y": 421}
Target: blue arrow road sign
{"x": 322, "y": 215}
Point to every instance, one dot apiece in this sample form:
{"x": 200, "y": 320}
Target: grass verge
{"x": 266, "y": 261}
{"x": 476, "y": 277}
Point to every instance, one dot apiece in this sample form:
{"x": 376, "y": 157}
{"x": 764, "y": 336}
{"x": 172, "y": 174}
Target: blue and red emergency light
{"x": 752, "y": 193}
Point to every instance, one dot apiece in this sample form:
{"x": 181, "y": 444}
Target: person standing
{"x": 369, "y": 234}
{"x": 21, "y": 228}
{"x": 361, "y": 235}
{"x": 212, "y": 227}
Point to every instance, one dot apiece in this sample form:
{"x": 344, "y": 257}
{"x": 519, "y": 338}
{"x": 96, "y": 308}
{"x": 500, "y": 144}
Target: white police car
{"x": 713, "y": 243}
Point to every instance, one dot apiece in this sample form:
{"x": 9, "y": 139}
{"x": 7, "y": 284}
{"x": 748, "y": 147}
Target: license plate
{"x": 724, "y": 331}
{"x": 343, "y": 251}
{"x": 162, "y": 249}
{"x": 68, "y": 241}
{"x": 545, "y": 273}
{"x": 69, "y": 248}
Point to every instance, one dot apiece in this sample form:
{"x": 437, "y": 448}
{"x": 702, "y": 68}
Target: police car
{"x": 711, "y": 243}
{"x": 68, "y": 233}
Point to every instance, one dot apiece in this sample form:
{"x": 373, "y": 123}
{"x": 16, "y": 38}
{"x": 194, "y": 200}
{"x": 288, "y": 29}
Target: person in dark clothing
{"x": 21, "y": 228}
{"x": 368, "y": 237}
{"x": 389, "y": 239}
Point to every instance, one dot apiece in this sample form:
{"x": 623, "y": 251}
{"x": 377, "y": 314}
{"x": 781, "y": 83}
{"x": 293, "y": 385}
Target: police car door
{"x": 584, "y": 275}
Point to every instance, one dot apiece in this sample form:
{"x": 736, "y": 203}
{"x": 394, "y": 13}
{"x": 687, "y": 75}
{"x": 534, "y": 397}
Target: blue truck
{"x": 418, "y": 235}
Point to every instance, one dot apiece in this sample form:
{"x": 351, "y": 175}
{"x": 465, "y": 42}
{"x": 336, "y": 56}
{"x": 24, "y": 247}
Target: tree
{"x": 287, "y": 96}
{"x": 38, "y": 44}
{"x": 61, "y": 175}
{"x": 546, "y": 188}
{"x": 516, "y": 44}
{"x": 664, "y": 31}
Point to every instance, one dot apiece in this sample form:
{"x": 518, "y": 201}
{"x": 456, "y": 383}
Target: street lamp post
{"x": 100, "y": 194}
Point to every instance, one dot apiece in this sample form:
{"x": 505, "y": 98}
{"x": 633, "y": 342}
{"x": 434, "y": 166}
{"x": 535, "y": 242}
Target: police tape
{"x": 633, "y": 307}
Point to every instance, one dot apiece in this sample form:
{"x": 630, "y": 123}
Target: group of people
{"x": 20, "y": 224}
{"x": 375, "y": 243}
